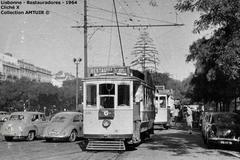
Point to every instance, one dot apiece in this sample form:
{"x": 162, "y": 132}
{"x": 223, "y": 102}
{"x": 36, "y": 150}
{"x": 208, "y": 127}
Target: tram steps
{"x": 105, "y": 145}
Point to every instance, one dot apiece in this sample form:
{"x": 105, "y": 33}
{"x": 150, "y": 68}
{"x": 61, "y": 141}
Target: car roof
{"x": 26, "y": 113}
{"x": 69, "y": 112}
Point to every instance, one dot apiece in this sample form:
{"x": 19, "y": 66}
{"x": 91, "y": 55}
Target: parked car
{"x": 24, "y": 125}
{"x": 4, "y": 116}
{"x": 64, "y": 125}
{"x": 221, "y": 128}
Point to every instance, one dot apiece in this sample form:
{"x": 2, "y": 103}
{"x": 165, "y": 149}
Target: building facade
{"x": 60, "y": 77}
{"x": 12, "y": 69}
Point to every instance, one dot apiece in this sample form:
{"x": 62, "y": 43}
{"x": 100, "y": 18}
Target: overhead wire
{"x": 133, "y": 15}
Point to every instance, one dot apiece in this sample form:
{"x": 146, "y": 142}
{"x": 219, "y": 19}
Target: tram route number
{"x": 71, "y": 2}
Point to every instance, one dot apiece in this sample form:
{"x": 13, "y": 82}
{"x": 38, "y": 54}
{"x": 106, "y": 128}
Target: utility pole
{"x": 85, "y": 40}
{"x": 77, "y": 61}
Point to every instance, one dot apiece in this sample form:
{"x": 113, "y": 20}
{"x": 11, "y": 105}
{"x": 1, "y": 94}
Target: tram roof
{"x": 118, "y": 73}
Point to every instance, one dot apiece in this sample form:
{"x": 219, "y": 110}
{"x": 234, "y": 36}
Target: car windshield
{"x": 59, "y": 118}
{"x": 16, "y": 117}
{"x": 226, "y": 118}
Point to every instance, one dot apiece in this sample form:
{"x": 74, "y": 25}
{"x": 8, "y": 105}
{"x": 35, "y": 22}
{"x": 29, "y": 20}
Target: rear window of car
{"x": 60, "y": 118}
{"x": 16, "y": 117}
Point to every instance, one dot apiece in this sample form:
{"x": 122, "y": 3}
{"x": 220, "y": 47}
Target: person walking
{"x": 188, "y": 117}
{"x": 175, "y": 115}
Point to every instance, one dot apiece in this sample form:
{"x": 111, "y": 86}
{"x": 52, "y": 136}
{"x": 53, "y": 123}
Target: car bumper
{"x": 224, "y": 141}
{"x": 55, "y": 135}
{"x": 14, "y": 134}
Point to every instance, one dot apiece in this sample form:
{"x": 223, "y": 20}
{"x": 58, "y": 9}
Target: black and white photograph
{"x": 119, "y": 79}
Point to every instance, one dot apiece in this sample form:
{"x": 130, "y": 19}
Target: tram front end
{"x": 107, "y": 114}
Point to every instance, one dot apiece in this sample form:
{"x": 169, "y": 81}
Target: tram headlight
{"x": 106, "y": 123}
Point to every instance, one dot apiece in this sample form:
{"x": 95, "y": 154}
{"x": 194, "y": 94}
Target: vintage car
{"x": 24, "y": 125}
{"x": 221, "y": 128}
{"x": 64, "y": 125}
{"x": 4, "y": 116}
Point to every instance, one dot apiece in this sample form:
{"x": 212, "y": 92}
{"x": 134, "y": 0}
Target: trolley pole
{"x": 77, "y": 61}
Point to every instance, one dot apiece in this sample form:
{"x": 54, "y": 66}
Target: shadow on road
{"x": 178, "y": 141}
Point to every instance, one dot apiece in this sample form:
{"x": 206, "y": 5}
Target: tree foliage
{"x": 145, "y": 53}
{"x": 34, "y": 96}
{"x": 170, "y": 83}
{"x": 217, "y": 57}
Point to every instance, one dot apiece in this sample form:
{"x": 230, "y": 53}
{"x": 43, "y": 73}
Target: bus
{"x": 118, "y": 107}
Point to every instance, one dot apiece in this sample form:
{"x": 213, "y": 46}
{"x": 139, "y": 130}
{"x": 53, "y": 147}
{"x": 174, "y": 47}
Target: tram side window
{"x": 91, "y": 94}
{"x": 123, "y": 95}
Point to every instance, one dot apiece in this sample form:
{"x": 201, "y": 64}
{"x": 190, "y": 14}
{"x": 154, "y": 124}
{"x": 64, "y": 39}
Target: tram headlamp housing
{"x": 106, "y": 123}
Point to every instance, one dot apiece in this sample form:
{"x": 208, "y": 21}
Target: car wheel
{"x": 31, "y": 136}
{"x": 165, "y": 126}
{"x": 48, "y": 139}
{"x": 73, "y": 136}
{"x": 8, "y": 138}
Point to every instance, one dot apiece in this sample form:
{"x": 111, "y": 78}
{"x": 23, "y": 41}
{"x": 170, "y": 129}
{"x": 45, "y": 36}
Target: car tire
{"x": 73, "y": 136}
{"x": 165, "y": 126}
{"x": 31, "y": 136}
{"x": 8, "y": 138}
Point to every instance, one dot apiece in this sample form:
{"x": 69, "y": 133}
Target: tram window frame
{"x": 125, "y": 94}
{"x": 164, "y": 102}
{"x": 92, "y": 99}
{"x": 103, "y": 89}
{"x": 104, "y": 94}
{"x": 112, "y": 98}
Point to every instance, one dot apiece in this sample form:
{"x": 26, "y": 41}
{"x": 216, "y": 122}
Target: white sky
{"x": 49, "y": 41}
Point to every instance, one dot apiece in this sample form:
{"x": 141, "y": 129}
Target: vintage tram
{"x": 164, "y": 103}
{"x": 118, "y": 107}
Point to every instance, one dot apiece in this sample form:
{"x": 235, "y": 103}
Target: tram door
{"x": 161, "y": 109}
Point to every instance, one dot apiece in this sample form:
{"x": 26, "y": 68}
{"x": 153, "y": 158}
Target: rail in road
{"x": 174, "y": 144}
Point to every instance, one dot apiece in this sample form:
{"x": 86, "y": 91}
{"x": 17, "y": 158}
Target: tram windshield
{"x": 106, "y": 93}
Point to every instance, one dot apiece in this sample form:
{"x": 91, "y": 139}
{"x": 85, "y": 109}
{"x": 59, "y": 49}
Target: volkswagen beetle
{"x": 64, "y": 125}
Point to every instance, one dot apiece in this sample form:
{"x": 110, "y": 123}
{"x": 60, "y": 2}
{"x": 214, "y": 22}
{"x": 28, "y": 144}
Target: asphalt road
{"x": 172, "y": 144}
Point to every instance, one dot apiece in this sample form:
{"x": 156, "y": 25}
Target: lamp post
{"x": 77, "y": 61}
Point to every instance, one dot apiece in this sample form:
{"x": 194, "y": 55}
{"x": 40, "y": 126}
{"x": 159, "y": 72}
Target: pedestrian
{"x": 188, "y": 116}
{"x": 175, "y": 115}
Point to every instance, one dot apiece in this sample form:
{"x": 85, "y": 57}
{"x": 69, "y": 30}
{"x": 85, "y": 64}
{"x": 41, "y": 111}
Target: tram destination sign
{"x": 110, "y": 70}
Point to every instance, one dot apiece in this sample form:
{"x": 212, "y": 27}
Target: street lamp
{"x": 77, "y": 61}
